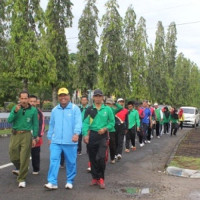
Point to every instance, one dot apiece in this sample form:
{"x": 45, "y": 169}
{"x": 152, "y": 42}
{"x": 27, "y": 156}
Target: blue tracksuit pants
{"x": 70, "y": 154}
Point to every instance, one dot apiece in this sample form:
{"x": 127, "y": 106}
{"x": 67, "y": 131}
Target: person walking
{"x": 159, "y": 119}
{"x": 35, "y": 151}
{"x": 181, "y": 118}
{"x": 112, "y": 132}
{"x": 24, "y": 118}
{"x": 98, "y": 120}
{"x": 174, "y": 121}
{"x": 120, "y": 127}
{"x": 64, "y": 129}
{"x": 166, "y": 115}
{"x": 133, "y": 125}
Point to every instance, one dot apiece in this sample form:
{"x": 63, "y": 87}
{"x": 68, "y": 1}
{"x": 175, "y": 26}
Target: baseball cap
{"x": 109, "y": 101}
{"x": 155, "y": 104}
{"x": 120, "y": 99}
{"x": 98, "y": 92}
{"x": 63, "y": 91}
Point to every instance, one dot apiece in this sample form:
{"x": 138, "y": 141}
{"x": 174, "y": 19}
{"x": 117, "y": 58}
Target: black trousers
{"x": 130, "y": 136}
{"x": 119, "y": 138}
{"x": 157, "y": 128}
{"x": 174, "y": 128}
{"x": 166, "y": 128}
{"x": 112, "y": 145}
{"x": 149, "y": 133}
{"x": 35, "y": 154}
{"x": 80, "y": 143}
{"x": 97, "y": 148}
{"x": 181, "y": 125}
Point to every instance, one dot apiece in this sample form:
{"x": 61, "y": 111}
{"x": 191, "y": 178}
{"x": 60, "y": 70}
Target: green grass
{"x": 8, "y": 131}
{"x": 186, "y": 162}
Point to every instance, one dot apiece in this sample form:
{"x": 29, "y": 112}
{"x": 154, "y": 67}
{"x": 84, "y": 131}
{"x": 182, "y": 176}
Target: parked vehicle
{"x": 191, "y": 116}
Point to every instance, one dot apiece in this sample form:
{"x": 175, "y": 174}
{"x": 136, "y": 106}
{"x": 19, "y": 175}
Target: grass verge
{"x": 185, "y": 162}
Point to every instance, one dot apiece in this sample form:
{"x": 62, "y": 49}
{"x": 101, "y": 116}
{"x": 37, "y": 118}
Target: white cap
{"x": 120, "y": 99}
{"x": 155, "y": 104}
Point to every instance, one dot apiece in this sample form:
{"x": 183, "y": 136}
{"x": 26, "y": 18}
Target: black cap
{"x": 98, "y": 92}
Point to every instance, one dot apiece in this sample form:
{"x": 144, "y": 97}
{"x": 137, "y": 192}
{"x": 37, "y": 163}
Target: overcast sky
{"x": 185, "y": 13}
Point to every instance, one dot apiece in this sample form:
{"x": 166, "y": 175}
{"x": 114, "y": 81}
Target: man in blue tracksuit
{"x": 64, "y": 129}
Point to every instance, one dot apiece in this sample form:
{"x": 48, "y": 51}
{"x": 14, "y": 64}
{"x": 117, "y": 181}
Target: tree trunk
{"x": 54, "y": 96}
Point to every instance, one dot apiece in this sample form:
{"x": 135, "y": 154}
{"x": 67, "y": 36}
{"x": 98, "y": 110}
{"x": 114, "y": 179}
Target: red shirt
{"x": 122, "y": 114}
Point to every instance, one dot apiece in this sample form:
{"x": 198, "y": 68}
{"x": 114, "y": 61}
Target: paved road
{"x": 140, "y": 169}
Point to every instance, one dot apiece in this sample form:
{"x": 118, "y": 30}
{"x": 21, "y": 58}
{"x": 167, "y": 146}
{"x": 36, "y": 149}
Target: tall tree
{"x": 113, "y": 72}
{"x": 58, "y": 17}
{"x": 139, "y": 76}
{"x": 87, "y": 47}
{"x": 160, "y": 84}
{"x": 25, "y": 19}
{"x": 129, "y": 41}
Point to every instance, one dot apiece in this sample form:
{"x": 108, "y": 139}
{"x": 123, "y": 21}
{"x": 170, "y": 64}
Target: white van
{"x": 191, "y": 116}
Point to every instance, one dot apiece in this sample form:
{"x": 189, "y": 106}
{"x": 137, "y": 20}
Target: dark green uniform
{"x": 24, "y": 121}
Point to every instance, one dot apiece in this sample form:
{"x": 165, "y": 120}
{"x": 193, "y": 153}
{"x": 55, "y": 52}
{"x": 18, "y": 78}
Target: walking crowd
{"x": 103, "y": 126}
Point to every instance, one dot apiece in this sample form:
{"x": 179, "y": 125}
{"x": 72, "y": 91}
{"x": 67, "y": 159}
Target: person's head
{"x": 109, "y": 102}
{"x": 131, "y": 105}
{"x": 24, "y": 98}
{"x": 120, "y": 101}
{"x": 84, "y": 100}
{"x": 33, "y": 100}
{"x": 63, "y": 97}
{"x": 156, "y": 105}
{"x": 98, "y": 96}
{"x": 145, "y": 103}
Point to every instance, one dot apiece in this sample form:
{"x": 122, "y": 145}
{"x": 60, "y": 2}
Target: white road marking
{"x": 6, "y": 165}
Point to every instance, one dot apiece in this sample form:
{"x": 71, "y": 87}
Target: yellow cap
{"x": 63, "y": 91}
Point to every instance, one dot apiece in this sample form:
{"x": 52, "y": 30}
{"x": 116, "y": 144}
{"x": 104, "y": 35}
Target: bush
{"x": 47, "y": 106}
{"x": 10, "y": 106}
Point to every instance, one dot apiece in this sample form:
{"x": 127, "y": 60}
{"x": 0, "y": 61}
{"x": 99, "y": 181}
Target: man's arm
{"x": 12, "y": 115}
{"x": 51, "y": 126}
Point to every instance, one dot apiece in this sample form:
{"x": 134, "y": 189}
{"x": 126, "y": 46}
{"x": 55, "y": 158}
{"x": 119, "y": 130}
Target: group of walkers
{"x": 102, "y": 126}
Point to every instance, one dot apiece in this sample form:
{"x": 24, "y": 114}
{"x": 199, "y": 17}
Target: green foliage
{"x": 47, "y": 106}
{"x": 87, "y": 47}
{"x": 10, "y": 106}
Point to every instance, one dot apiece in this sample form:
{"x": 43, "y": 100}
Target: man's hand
{"x": 33, "y": 143}
{"x": 102, "y": 131}
{"x": 18, "y": 106}
{"x": 86, "y": 139}
{"x": 126, "y": 131}
{"x": 138, "y": 129}
{"x": 75, "y": 138}
{"x": 49, "y": 142}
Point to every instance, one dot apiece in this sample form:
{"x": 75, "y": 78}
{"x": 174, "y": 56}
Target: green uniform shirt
{"x": 165, "y": 119}
{"x": 133, "y": 119}
{"x": 103, "y": 119}
{"x": 83, "y": 111}
{"x": 25, "y": 119}
{"x": 173, "y": 120}
{"x": 157, "y": 112}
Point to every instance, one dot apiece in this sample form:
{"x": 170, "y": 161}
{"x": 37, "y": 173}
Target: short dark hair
{"x": 24, "y": 92}
{"x": 84, "y": 97}
{"x": 33, "y": 96}
{"x": 131, "y": 103}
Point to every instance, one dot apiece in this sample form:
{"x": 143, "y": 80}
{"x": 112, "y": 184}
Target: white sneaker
{"x": 142, "y": 144}
{"x": 89, "y": 169}
{"x": 148, "y": 141}
{"x": 50, "y": 186}
{"x": 35, "y": 173}
{"x": 119, "y": 157}
{"x": 158, "y": 137}
{"x": 22, "y": 184}
{"x": 15, "y": 172}
{"x": 69, "y": 186}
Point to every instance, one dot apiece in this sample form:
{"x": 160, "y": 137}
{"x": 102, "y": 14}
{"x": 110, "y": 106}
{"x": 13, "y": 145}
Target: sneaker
{"x": 15, "y": 172}
{"x": 22, "y": 184}
{"x": 148, "y": 141}
{"x": 89, "y": 169}
{"x": 119, "y": 157}
{"x": 79, "y": 153}
{"x": 94, "y": 182}
{"x": 101, "y": 183}
{"x": 133, "y": 148}
{"x": 35, "y": 173}
{"x": 142, "y": 144}
{"x": 112, "y": 161}
{"x": 127, "y": 150}
{"x": 50, "y": 186}
{"x": 158, "y": 137}
{"x": 69, "y": 186}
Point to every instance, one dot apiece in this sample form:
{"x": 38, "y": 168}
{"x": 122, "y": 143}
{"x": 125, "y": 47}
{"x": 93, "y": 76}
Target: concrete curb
{"x": 187, "y": 173}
